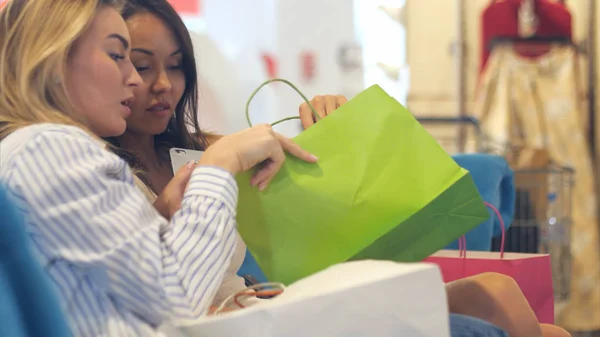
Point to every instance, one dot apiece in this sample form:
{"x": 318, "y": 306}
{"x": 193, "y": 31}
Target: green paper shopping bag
{"x": 383, "y": 189}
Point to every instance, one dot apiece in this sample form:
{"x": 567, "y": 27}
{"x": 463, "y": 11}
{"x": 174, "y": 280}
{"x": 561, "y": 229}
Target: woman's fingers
{"x": 306, "y": 116}
{"x": 272, "y": 165}
{"x": 263, "y": 177}
{"x": 295, "y": 150}
{"x": 341, "y": 100}
{"x": 330, "y": 104}
{"x": 319, "y": 103}
{"x": 324, "y": 106}
{"x": 269, "y": 168}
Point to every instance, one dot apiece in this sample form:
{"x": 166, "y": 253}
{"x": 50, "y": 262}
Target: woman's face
{"x": 157, "y": 57}
{"x": 99, "y": 77}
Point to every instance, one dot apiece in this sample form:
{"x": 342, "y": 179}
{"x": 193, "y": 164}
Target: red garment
{"x": 500, "y": 19}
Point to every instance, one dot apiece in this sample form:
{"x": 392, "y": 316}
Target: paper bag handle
{"x": 312, "y": 108}
{"x": 462, "y": 241}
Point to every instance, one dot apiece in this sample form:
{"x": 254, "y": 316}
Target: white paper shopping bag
{"x": 360, "y": 298}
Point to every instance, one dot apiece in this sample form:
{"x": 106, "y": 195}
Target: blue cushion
{"x": 494, "y": 180}
{"x": 28, "y": 305}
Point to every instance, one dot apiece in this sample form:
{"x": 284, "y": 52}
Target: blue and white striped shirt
{"x": 119, "y": 267}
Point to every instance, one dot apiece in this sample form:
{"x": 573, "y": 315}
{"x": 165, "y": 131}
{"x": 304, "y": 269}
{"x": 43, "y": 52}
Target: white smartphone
{"x": 180, "y": 157}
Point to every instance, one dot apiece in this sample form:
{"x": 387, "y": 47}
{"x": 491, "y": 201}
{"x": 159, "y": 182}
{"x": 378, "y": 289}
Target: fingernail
{"x": 262, "y": 187}
{"x": 191, "y": 164}
{"x": 313, "y": 157}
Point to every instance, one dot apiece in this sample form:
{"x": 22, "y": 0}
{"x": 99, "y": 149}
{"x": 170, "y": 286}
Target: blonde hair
{"x": 35, "y": 40}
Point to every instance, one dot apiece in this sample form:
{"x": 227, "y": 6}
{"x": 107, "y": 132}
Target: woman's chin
{"x": 159, "y": 128}
{"x": 115, "y": 129}
{"x": 150, "y": 129}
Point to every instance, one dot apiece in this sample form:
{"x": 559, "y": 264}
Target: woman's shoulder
{"x": 30, "y": 138}
{"x": 44, "y": 130}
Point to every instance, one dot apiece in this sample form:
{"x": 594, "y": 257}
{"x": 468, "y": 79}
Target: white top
{"x": 120, "y": 268}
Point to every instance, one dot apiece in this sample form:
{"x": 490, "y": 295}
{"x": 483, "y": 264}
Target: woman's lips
{"x": 160, "y": 110}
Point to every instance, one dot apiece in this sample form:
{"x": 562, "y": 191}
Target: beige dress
{"x": 536, "y": 104}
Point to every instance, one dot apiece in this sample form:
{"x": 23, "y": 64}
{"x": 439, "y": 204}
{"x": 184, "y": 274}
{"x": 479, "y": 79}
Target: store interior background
{"x": 410, "y": 51}
{"x": 242, "y": 43}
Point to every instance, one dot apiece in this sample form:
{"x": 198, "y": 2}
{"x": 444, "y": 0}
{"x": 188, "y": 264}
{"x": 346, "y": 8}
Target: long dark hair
{"x": 178, "y": 132}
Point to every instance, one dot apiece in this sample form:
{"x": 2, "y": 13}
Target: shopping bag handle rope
{"x": 312, "y": 108}
{"x": 462, "y": 241}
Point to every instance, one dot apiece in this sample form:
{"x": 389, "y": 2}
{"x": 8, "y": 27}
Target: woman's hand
{"x": 324, "y": 105}
{"x": 169, "y": 200}
{"x": 242, "y": 151}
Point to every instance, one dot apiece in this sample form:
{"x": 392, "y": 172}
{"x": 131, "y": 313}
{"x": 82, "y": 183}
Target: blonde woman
{"x": 119, "y": 267}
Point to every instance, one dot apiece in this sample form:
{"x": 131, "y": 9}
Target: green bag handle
{"x": 314, "y": 112}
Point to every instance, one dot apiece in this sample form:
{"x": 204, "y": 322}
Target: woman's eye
{"x": 117, "y": 57}
{"x": 140, "y": 69}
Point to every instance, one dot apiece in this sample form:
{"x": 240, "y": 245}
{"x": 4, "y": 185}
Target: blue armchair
{"x": 28, "y": 305}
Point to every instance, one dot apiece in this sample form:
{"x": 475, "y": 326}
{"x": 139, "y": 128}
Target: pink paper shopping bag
{"x": 532, "y": 272}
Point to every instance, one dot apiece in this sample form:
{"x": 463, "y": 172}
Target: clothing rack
{"x": 590, "y": 52}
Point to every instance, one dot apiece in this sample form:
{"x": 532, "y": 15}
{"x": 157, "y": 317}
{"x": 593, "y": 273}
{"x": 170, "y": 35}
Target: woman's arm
{"x": 89, "y": 213}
